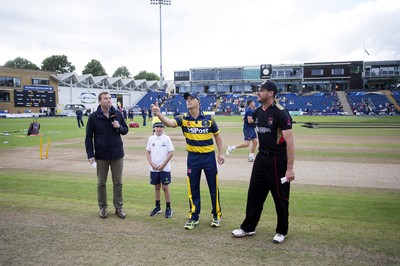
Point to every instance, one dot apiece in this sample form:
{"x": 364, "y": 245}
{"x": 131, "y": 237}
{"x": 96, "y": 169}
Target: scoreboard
{"x": 35, "y": 96}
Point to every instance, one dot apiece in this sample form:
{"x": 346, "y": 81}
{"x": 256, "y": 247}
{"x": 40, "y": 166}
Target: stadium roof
{"x": 105, "y": 82}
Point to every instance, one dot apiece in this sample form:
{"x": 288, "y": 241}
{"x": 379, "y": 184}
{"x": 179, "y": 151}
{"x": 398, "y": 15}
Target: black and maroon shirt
{"x": 269, "y": 125}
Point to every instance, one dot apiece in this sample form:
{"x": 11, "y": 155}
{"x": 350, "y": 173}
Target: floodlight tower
{"x": 160, "y": 3}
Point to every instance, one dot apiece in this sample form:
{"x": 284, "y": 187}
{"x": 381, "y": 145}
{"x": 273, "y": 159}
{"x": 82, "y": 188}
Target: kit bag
{"x": 133, "y": 124}
{"x": 34, "y": 127}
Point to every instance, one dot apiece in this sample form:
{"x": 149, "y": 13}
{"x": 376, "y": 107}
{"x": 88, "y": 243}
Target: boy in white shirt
{"x": 159, "y": 153}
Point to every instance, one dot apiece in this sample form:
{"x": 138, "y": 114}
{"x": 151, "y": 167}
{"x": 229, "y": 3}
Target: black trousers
{"x": 80, "y": 121}
{"x": 268, "y": 169}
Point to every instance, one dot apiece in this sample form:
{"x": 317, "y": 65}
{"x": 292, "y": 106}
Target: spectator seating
{"x": 363, "y": 101}
{"x": 396, "y": 96}
{"x": 150, "y": 98}
{"x": 318, "y": 102}
{"x": 175, "y": 103}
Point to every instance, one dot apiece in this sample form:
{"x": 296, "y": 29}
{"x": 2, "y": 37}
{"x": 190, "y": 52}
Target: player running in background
{"x": 248, "y": 132}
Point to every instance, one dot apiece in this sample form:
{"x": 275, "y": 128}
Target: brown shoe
{"x": 120, "y": 213}
{"x": 103, "y": 213}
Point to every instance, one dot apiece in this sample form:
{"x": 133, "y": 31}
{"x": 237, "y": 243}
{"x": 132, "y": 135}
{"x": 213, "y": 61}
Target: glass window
{"x": 17, "y": 82}
{"x": 317, "y": 72}
{"x": 387, "y": 70}
{"x": 4, "y": 96}
{"x": 229, "y": 74}
{"x": 197, "y": 88}
{"x": 237, "y": 88}
{"x": 211, "y": 88}
{"x": 288, "y": 72}
{"x": 183, "y": 88}
{"x": 297, "y": 72}
{"x": 10, "y": 82}
{"x": 40, "y": 81}
{"x": 248, "y": 88}
{"x": 223, "y": 88}
{"x": 181, "y": 75}
{"x": 251, "y": 73}
{"x": 375, "y": 71}
{"x": 337, "y": 71}
{"x": 204, "y": 75}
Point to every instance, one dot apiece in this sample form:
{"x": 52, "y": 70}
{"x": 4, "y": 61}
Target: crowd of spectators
{"x": 317, "y": 103}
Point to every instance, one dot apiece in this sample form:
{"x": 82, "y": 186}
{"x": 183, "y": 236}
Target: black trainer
{"x": 168, "y": 213}
{"x": 156, "y": 211}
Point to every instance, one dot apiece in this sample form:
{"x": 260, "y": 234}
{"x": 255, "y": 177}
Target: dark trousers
{"x": 267, "y": 171}
{"x": 80, "y": 121}
{"x": 196, "y": 162}
{"x": 103, "y": 167}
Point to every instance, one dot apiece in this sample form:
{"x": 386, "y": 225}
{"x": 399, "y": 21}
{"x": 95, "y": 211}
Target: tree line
{"x": 61, "y": 65}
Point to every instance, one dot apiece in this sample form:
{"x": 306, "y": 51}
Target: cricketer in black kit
{"x": 274, "y": 161}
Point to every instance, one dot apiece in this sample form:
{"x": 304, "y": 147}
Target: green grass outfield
{"x": 50, "y": 217}
{"x": 328, "y": 225}
{"x": 62, "y": 128}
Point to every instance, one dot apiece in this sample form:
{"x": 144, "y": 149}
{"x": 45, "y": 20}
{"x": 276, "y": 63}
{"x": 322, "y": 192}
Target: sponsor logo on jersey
{"x": 263, "y": 130}
{"x": 196, "y": 130}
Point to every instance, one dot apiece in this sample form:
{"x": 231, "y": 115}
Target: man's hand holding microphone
{"x": 115, "y": 124}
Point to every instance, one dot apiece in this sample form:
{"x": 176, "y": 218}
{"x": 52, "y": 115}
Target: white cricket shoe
{"x": 279, "y": 238}
{"x": 240, "y": 233}
{"x": 229, "y": 150}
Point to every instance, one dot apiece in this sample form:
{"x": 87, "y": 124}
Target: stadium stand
{"x": 316, "y": 103}
{"x": 234, "y": 103}
{"x": 370, "y": 103}
{"x": 150, "y": 98}
{"x": 396, "y": 96}
{"x": 176, "y": 103}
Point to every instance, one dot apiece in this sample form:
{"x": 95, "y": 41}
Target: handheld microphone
{"x": 112, "y": 116}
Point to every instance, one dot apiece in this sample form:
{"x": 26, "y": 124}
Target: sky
{"x": 196, "y": 34}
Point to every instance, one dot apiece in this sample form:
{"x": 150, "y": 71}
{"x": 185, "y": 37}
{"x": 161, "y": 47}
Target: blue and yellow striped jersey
{"x": 198, "y": 132}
